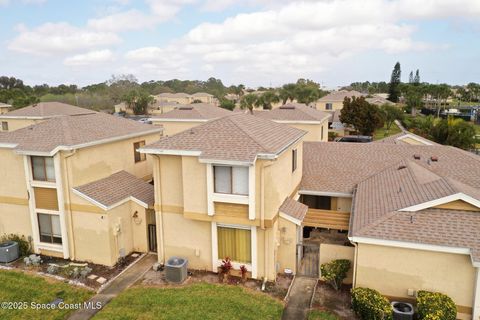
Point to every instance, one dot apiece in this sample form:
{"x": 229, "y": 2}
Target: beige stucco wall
{"x": 329, "y": 252}
{"x": 314, "y": 131}
{"x": 15, "y": 124}
{"x": 173, "y": 127}
{"x": 394, "y": 270}
{"x": 287, "y": 245}
{"x": 14, "y": 212}
{"x": 344, "y": 204}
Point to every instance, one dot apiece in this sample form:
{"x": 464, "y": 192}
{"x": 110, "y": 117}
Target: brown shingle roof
{"x": 237, "y": 137}
{"x": 48, "y": 110}
{"x": 399, "y": 139}
{"x": 74, "y": 131}
{"x": 294, "y": 209}
{"x": 340, "y": 95}
{"x": 293, "y": 112}
{"x": 116, "y": 188}
{"x": 195, "y": 111}
{"x": 340, "y": 166}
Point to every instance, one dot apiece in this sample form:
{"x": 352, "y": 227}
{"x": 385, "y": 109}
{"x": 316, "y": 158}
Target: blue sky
{"x": 262, "y": 42}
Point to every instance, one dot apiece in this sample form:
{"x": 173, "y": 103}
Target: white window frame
{"x": 216, "y": 262}
{"x": 49, "y": 245}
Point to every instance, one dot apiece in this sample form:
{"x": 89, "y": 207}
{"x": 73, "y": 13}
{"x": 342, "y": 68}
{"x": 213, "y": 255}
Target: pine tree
{"x": 416, "y": 79}
{"x": 410, "y": 77}
{"x": 394, "y": 86}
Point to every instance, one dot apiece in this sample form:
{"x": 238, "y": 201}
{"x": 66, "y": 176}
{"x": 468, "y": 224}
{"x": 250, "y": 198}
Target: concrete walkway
{"x": 299, "y": 298}
{"x": 122, "y": 282}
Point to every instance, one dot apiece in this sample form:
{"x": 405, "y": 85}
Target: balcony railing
{"x": 328, "y": 219}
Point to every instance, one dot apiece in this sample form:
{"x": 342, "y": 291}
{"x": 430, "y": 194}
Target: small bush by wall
{"x": 435, "y": 306}
{"x": 335, "y": 272}
{"x": 369, "y": 304}
{"x": 23, "y": 244}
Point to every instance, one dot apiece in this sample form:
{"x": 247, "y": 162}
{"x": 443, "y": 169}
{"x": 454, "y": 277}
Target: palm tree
{"x": 287, "y": 92}
{"x": 248, "y": 102}
{"x": 266, "y": 99}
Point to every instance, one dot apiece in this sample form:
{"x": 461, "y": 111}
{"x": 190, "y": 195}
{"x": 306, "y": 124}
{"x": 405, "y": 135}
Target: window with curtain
{"x": 43, "y": 169}
{"x": 231, "y": 180}
{"x": 328, "y": 106}
{"x": 49, "y": 228}
{"x": 235, "y": 244}
{"x": 294, "y": 160}
{"x": 4, "y": 125}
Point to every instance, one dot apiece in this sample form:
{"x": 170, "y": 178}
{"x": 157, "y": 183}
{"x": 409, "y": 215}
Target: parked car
{"x": 360, "y": 139}
{"x": 145, "y": 120}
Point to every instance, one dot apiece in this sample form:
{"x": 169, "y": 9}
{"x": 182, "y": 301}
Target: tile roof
{"x": 116, "y": 188}
{"x": 294, "y": 209}
{"x": 236, "y": 137}
{"x": 340, "y": 166}
{"x": 74, "y": 131}
{"x": 173, "y": 95}
{"x": 5, "y": 105}
{"x": 377, "y": 100}
{"x": 340, "y": 95}
{"x": 48, "y": 110}
{"x": 194, "y": 111}
{"x": 202, "y": 94}
{"x": 293, "y": 112}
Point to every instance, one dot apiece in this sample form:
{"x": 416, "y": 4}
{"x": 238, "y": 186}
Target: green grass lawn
{"x": 321, "y": 315}
{"x": 382, "y": 133}
{"x": 198, "y": 301}
{"x": 20, "y": 287}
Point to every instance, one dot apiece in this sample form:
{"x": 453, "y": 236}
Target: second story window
{"x": 294, "y": 160}
{"x": 4, "y": 126}
{"x": 139, "y": 156}
{"x": 43, "y": 169}
{"x": 328, "y": 106}
{"x": 231, "y": 180}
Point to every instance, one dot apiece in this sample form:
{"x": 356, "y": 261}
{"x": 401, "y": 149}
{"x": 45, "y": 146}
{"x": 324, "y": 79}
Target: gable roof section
{"x": 44, "y": 110}
{"x": 195, "y": 111}
{"x": 237, "y": 137}
{"x": 117, "y": 189}
{"x": 340, "y": 95}
{"x": 408, "y": 138}
{"x": 293, "y": 211}
{"x": 73, "y": 132}
{"x": 294, "y": 112}
{"x": 338, "y": 167}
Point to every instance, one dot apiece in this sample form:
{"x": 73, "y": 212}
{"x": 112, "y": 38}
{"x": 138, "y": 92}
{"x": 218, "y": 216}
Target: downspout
{"x": 158, "y": 183}
{"x": 70, "y": 216}
{"x": 355, "y": 257}
{"x": 262, "y": 221}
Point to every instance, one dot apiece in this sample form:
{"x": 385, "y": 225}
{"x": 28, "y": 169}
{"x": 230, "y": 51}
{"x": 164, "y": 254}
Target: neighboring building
{"x": 334, "y": 100}
{"x": 408, "y": 138}
{"x": 78, "y": 187}
{"x": 184, "y": 117}
{"x": 37, "y": 113}
{"x": 222, "y": 189}
{"x": 379, "y": 100}
{"x": 300, "y": 116}
{"x": 158, "y": 107}
{"x": 4, "y": 108}
{"x": 415, "y": 215}
{"x": 184, "y": 98}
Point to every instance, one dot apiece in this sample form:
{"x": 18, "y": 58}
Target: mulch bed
{"x": 338, "y": 302}
{"x": 97, "y": 269}
{"x": 277, "y": 289}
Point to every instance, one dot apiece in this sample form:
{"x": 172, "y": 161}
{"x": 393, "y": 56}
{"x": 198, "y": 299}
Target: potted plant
{"x": 225, "y": 268}
{"x": 243, "y": 271}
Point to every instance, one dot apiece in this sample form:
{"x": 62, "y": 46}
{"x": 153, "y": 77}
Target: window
{"x": 328, "y": 106}
{"x": 294, "y": 160}
{"x": 235, "y": 244}
{"x": 321, "y": 138}
{"x": 231, "y": 180}
{"x": 4, "y": 126}
{"x": 43, "y": 169}
{"x": 49, "y": 228}
{"x": 139, "y": 156}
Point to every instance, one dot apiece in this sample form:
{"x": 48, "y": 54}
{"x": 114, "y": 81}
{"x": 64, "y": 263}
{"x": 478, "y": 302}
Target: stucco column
{"x": 476, "y": 299}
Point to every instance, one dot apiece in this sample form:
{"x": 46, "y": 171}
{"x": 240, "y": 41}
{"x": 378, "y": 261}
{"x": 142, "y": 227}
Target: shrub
{"x": 32, "y": 260}
{"x": 226, "y": 266}
{"x": 369, "y": 304}
{"x": 435, "y": 305}
{"x": 23, "y": 244}
{"x": 335, "y": 272}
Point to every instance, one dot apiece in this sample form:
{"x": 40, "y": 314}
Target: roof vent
{"x": 434, "y": 158}
{"x": 288, "y": 107}
{"x": 416, "y": 156}
{"x": 185, "y": 108}
{"x": 401, "y": 167}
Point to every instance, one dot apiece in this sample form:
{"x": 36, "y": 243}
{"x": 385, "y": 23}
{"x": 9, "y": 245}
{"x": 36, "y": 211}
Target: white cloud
{"x": 128, "y": 20}
{"x": 59, "y": 38}
{"x": 89, "y": 58}
{"x": 167, "y": 9}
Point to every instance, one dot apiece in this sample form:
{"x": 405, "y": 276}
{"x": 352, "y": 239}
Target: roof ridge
{"x": 244, "y": 131}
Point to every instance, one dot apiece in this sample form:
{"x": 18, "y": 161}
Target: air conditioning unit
{"x": 402, "y": 311}
{"x": 9, "y": 251}
{"x": 176, "y": 269}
